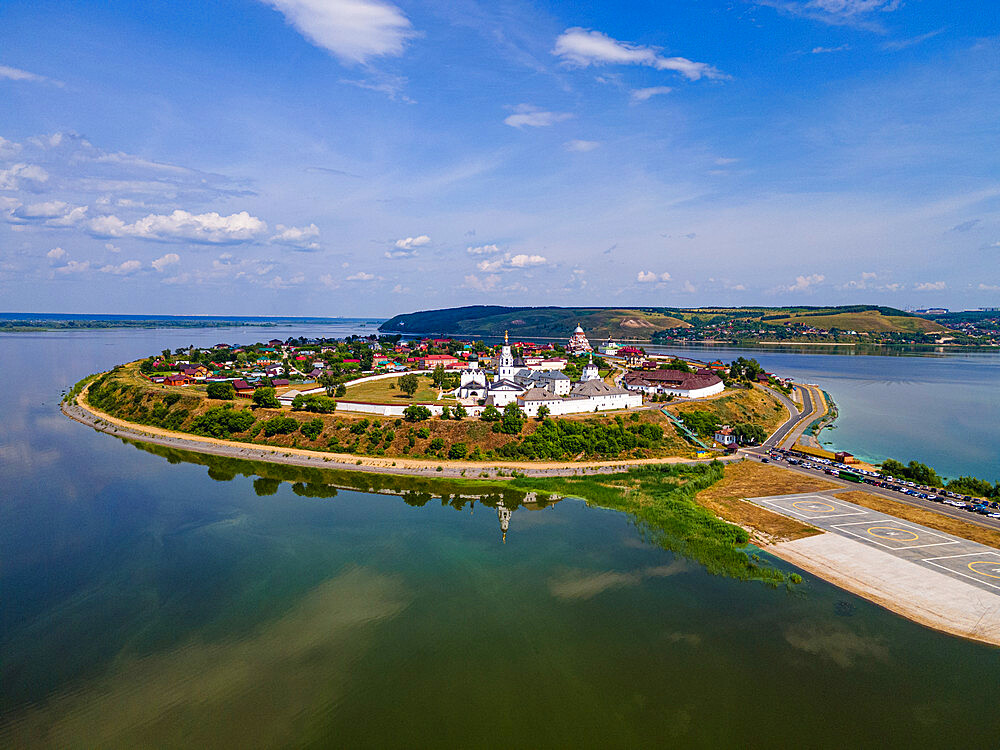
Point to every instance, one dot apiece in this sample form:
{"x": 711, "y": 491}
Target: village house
{"x": 674, "y": 382}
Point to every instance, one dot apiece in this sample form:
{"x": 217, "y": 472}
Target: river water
{"x": 162, "y": 599}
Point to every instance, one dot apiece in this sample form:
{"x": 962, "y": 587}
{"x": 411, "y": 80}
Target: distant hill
{"x": 523, "y": 322}
{"x": 643, "y": 323}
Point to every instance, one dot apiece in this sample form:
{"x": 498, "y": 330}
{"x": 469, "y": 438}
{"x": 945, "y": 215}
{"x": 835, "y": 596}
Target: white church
{"x": 531, "y": 389}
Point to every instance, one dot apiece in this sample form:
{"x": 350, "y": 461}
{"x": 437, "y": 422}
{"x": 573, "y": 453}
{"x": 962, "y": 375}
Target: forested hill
{"x": 648, "y": 323}
{"x": 523, "y": 322}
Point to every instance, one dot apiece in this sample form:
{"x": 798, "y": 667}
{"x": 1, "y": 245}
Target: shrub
{"x": 265, "y": 398}
{"x": 222, "y": 422}
{"x": 436, "y": 444}
{"x": 458, "y": 450}
{"x": 312, "y": 428}
{"x": 316, "y": 404}
{"x": 416, "y": 413}
{"x": 490, "y": 414}
{"x": 280, "y": 426}
{"x": 171, "y": 398}
{"x": 459, "y": 412}
{"x": 220, "y": 391}
{"x": 513, "y": 420}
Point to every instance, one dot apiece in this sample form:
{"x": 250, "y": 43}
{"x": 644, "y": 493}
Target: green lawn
{"x": 387, "y": 392}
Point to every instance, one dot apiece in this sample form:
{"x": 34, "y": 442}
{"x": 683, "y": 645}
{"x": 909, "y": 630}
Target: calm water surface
{"x": 153, "y": 600}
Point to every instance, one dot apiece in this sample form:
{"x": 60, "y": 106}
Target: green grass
{"x": 381, "y": 392}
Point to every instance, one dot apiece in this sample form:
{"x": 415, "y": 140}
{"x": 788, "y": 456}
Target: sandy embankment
{"x": 917, "y": 593}
{"x": 97, "y": 419}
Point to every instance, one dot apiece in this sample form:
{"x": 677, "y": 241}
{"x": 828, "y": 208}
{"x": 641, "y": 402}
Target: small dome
{"x": 578, "y": 330}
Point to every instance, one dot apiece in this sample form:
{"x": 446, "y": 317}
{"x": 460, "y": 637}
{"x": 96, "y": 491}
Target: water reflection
{"x": 324, "y": 483}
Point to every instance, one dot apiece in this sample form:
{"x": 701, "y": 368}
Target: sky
{"x": 367, "y": 157}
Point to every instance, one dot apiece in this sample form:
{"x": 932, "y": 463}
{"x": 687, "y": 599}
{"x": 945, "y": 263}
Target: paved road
{"x": 916, "y": 502}
{"x": 796, "y": 416}
{"x": 957, "y": 558}
{"x": 810, "y": 411}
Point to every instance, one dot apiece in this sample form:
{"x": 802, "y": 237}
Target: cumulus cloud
{"x": 580, "y": 146}
{"x": 486, "y": 284}
{"x": 641, "y": 95}
{"x": 166, "y": 260}
{"x": 582, "y": 47}
{"x": 26, "y": 176}
{"x": 930, "y": 286}
{"x": 650, "y": 277}
{"x": 51, "y": 213}
{"x": 56, "y": 253}
{"x": 803, "y": 283}
{"x": 300, "y": 238}
{"x": 483, "y": 250}
{"x": 16, "y": 74}
{"x": 510, "y": 262}
{"x": 688, "y": 287}
{"x": 527, "y": 115}
{"x": 182, "y": 226}
{"x": 361, "y": 276}
{"x": 408, "y": 243}
{"x": 74, "y": 266}
{"x": 122, "y": 269}
{"x": 352, "y": 30}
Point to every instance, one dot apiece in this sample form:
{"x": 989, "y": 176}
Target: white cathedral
{"x": 531, "y": 389}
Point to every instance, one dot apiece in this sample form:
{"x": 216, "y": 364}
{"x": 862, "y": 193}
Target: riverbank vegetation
{"x": 740, "y": 406}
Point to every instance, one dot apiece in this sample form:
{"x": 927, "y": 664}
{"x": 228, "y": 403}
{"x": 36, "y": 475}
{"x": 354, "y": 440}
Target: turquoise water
{"x": 942, "y": 410}
{"x": 159, "y": 599}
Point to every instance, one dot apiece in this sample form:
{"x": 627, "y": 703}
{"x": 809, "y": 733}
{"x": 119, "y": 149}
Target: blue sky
{"x": 362, "y": 157}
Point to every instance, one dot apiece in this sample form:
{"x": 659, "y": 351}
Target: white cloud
{"x": 51, "y": 213}
{"x": 483, "y": 250}
{"x": 301, "y": 238}
{"x": 724, "y": 161}
{"x": 166, "y": 260}
{"x": 9, "y": 149}
{"x": 526, "y": 115}
{"x": 111, "y": 247}
{"x": 650, "y": 277}
{"x": 688, "y": 287}
{"x": 56, "y": 253}
{"x": 836, "y": 12}
{"x": 930, "y": 286}
{"x": 642, "y": 95}
{"x": 122, "y": 269}
{"x": 487, "y": 284}
{"x": 509, "y": 262}
{"x": 179, "y": 226}
{"x": 74, "y": 266}
{"x": 899, "y": 44}
{"x": 581, "y": 146}
{"x": 31, "y": 176}
{"x": 803, "y": 283}
{"x": 409, "y": 243}
{"x": 989, "y": 287}
{"x": 827, "y": 50}
{"x": 15, "y": 74}
{"x": 351, "y": 30}
{"x": 581, "y": 47}
{"x": 400, "y": 289}
{"x": 361, "y": 276}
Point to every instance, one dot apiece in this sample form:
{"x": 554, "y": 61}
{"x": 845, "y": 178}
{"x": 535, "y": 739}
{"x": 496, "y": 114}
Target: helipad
{"x": 959, "y": 558}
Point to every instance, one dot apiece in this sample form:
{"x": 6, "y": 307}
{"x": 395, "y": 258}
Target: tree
{"x": 543, "y": 412}
{"x": 329, "y": 381}
{"x": 341, "y": 390}
{"x": 490, "y": 414}
{"x": 416, "y": 413}
{"x": 513, "y": 419}
{"x": 312, "y": 428}
{"x": 445, "y": 412}
{"x": 265, "y": 398}
{"x": 749, "y": 434}
{"x": 367, "y": 356}
{"x": 437, "y": 377}
{"x": 459, "y": 412}
{"x": 221, "y": 391}
{"x": 408, "y": 384}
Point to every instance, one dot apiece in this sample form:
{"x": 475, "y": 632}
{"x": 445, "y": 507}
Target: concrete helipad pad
{"x": 958, "y": 558}
{"x": 982, "y": 567}
{"x": 894, "y": 534}
{"x": 810, "y": 507}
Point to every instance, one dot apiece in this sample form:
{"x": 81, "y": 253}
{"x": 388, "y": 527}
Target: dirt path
{"x": 102, "y": 422}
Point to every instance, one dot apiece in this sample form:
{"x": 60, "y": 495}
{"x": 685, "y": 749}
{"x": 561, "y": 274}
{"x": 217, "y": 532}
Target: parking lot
{"x": 951, "y": 555}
